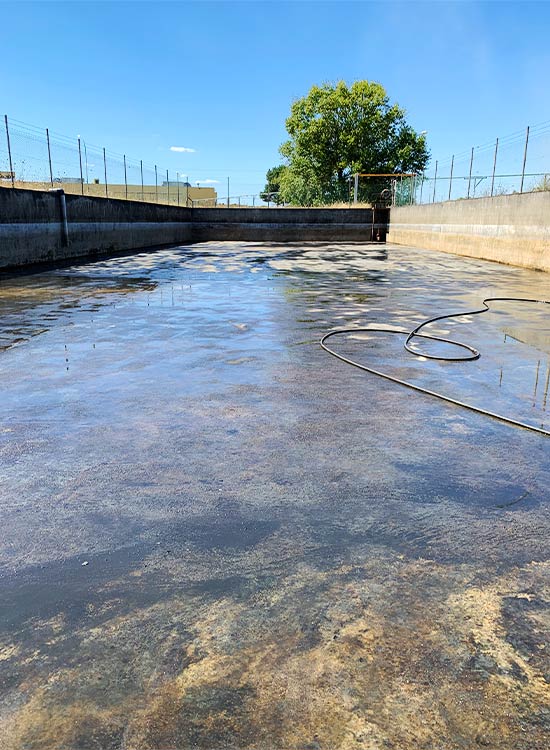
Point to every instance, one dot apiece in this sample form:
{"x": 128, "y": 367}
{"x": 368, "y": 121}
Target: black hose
{"x": 415, "y": 333}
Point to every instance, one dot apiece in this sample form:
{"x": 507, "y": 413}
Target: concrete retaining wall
{"x": 290, "y": 224}
{"x": 512, "y": 229}
{"x": 32, "y": 228}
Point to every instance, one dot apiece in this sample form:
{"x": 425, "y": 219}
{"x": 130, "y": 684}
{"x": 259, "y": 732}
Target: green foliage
{"x": 300, "y": 185}
{"x": 336, "y": 131}
{"x": 273, "y": 184}
{"x": 543, "y": 184}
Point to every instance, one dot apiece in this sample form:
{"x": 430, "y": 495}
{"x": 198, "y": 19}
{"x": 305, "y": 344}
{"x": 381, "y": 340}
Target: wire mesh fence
{"x": 516, "y": 163}
{"x": 39, "y": 159}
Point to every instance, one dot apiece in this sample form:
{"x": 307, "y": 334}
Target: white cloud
{"x": 208, "y": 182}
{"x": 182, "y": 149}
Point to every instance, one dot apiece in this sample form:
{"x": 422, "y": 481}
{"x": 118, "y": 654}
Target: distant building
{"x": 69, "y": 180}
{"x": 176, "y": 183}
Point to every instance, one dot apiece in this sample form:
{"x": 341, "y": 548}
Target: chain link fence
{"x": 38, "y": 159}
{"x": 516, "y": 163}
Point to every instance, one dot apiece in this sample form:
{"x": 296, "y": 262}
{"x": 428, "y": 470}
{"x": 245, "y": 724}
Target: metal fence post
{"x": 9, "y": 152}
{"x": 168, "y": 183}
{"x": 105, "y": 171}
{"x": 80, "y": 161}
{"x": 421, "y": 186}
{"x": 228, "y": 192}
{"x": 156, "y": 185}
{"x": 86, "y": 160}
{"x": 435, "y": 182}
{"x": 524, "y": 159}
{"x": 355, "y": 188}
{"x": 141, "y": 169}
{"x": 178, "y": 185}
{"x": 451, "y": 177}
{"x": 125, "y": 179}
{"x": 186, "y": 190}
{"x": 470, "y": 173}
{"x": 49, "y": 156}
{"x": 494, "y": 168}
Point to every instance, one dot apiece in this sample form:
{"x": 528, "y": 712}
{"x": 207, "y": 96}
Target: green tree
{"x": 542, "y": 185}
{"x": 336, "y": 131}
{"x": 273, "y": 184}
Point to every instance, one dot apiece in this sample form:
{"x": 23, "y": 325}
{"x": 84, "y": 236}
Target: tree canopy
{"x": 273, "y": 185}
{"x": 338, "y": 130}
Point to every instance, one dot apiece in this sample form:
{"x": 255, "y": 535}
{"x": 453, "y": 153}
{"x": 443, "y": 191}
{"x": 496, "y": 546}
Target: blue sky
{"x": 219, "y": 77}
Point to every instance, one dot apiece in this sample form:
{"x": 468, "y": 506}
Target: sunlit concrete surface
{"x": 505, "y": 228}
{"x": 215, "y": 535}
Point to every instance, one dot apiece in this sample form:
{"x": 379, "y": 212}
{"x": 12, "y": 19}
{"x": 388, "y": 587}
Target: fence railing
{"x": 39, "y": 159}
{"x": 517, "y": 163}
{"x": 36, "y": 158}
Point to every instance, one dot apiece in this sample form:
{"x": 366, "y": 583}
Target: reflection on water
{"x": 30, "y": 305}
{"x": 217, "y": 536}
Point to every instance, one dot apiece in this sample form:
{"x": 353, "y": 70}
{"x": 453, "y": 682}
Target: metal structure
{"x": 32, "y": 157}
{"x": 36, "y": 158}
{"x": 516, "y": 163}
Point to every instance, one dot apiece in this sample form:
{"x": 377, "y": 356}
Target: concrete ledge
{"x": 511, "y": 229}
{"x": 287, "y": 232}
{"x": 277, "y": 216}
{"x": 35, "y": 206}
{"x": 25, "y": 244}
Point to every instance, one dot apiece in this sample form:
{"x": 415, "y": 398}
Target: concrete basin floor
{"x": 217, "y": 536}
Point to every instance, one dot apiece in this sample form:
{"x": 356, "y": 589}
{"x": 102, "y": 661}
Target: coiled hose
{"x": 472, "y": 354}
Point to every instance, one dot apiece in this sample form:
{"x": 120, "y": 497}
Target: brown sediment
{"x": 9, "y": 651}
{"x": 323, "y": 661}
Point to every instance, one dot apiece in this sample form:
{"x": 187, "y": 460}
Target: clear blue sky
{"x": 219, "y": 77}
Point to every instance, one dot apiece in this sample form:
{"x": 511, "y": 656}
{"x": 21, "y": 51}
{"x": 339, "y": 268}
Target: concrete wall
{"x": 289, "y": 224}
{"x": 31, "y": 226}
{"x": 513, "y": 229}
{"x": 31, "y": 229}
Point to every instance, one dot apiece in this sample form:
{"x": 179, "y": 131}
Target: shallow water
{"x": 215, "y": 535}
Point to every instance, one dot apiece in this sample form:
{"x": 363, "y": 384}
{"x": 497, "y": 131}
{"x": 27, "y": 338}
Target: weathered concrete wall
{"x": 31, "y": 228}
{"x": 289, "y": 224}
{"x": 513, "y": 229}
